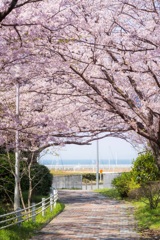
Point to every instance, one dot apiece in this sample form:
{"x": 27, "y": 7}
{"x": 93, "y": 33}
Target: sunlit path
{"x": 89, "y": 215}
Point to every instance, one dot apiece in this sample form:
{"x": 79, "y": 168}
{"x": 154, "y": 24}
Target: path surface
{"x": 89, "y": 216}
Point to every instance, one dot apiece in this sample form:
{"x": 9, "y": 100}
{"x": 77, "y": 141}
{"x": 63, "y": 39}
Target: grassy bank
{"x": 146, "y": 218}
{"x": 29, "y": 228}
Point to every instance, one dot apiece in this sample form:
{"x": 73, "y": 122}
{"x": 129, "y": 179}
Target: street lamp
{"x": 16, "y": 73}
{"x": 97, "y": 166}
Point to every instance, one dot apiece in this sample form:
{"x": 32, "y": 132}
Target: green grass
{"x": 29, "y": 228}
{"x": 147, "y": 218}
{"x": 112, "y": 193}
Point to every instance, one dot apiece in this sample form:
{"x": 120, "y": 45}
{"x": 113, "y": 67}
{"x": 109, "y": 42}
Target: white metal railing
{"x": 22, "y": 215}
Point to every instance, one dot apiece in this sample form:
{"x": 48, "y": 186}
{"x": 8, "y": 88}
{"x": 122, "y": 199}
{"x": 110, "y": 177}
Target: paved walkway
{"x": 89, "y": 216}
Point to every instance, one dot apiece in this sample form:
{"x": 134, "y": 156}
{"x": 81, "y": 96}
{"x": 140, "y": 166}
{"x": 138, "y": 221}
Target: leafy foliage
{"x": 89, "y": 176}
{"x": 41, "y": 179}
{"x": 124, "y": 183}
{"x": 144, "y": 175}
{"x": 6, "y": 177}
{"x": 145, "y": 169}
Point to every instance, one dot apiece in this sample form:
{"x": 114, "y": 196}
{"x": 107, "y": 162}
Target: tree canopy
{"x": 84, "y": 68}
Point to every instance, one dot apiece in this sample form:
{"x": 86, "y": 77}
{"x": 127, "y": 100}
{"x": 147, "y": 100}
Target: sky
{"x": 109, "y": 148}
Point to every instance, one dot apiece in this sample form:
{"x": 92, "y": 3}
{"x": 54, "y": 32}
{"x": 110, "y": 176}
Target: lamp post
{"x": 17, "y": 160}
{"x": 97, "y": 166}
{"x": 16, "y": 73}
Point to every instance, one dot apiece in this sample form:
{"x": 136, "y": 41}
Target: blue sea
{"x": 85, "y": 163}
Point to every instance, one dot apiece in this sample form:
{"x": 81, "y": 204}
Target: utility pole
{"x": 97, "y": 166}
{"x": 17, "y": 160}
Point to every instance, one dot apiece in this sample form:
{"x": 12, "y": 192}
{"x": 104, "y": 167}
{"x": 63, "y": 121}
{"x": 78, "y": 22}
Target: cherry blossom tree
{"x": 29, "y": 50}
{"x": 112, "y": 51}
{"x": 47, "y": 114}
{"x": 22, "y": 58}
{"x": 84, "y": 68}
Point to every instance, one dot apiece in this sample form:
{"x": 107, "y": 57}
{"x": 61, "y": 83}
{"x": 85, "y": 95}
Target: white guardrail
{"x": 22, "y": 215}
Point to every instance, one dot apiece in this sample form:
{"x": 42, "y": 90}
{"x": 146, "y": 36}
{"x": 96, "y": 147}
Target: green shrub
{"x": 89, "y": 176}
{"x": 142, "y": 181}
{"x": 145, "y": 169}
{"x": 42, "y": 179}
{"x": 124, "y": 183}
{"x": 6, "y": 177}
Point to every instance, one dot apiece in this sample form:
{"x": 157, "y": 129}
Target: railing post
{"x": 33, "y": 212}
{"x": 57, "y": 194}
{"x": 19, "y": 216}
{"x": 51, "y": 202}
{"x": 43, "y": 207}
{"x": 55, "y": 197}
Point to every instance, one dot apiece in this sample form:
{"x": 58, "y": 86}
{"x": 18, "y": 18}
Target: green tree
{"x": 6, "y": 177}
{"x": 40, "y": 178}
{"x": 145, "y": 168}
{"x": 146, "y": 173}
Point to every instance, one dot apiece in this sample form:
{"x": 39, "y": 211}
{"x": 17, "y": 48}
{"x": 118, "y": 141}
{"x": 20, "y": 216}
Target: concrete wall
{"x": 107, "y": 179}
{"x": 69, "y": 182}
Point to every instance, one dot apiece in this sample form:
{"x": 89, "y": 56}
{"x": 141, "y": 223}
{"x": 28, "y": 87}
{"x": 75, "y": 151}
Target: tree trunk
{"x": 21, "y": 196}
{"x": 30, "y": 184}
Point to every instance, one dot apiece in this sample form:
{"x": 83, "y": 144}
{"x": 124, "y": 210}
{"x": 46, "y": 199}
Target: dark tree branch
{"x": 11, "y": 6}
